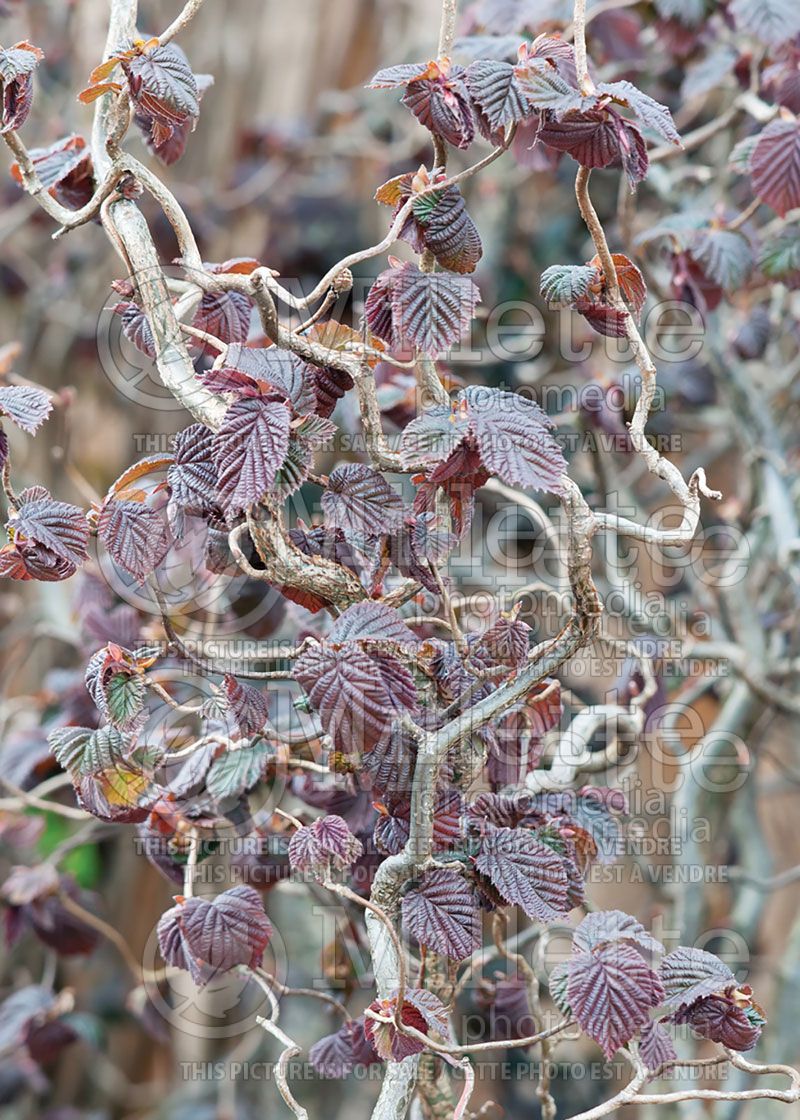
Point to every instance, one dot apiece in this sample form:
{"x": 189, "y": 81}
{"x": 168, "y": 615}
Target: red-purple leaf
{"x": 775, "y": 166}
{"x": 249, "y": 706}
{"x": 360, "y": 502}
{"x": 421, "y": 1010}
{"x": 330, "y": 385}
{"x": 496, "y": 93}
{"x": 606, "y": 926}
{"x": 442, "y": 105}
{"x": 336, "y": 1055}
{"x": 134, "y": 534}
{"x": 514, "y": 439}
{"x": 371, "y": 622}
{"x": 250, "y": 448}
{"x": 192, "y": 478}
{"x": 64, "y": 169}
{"x": 225, "y": 315}
{"x": 598, "y": 138}
{"x": 442, "y": 913}
{"x": 326, "y": 845}
{"x": 525, "y": 872}
{"x": 606, "y": 320}
{"x": 210, "y": 937}
{"x": 428, "y": 310}
{"x": 611, "y": 992}
{"x": 720, "y": 1019}
{"x": 419, "y": 545}
{"x": 691, "y": 974}
{"x": 390, "y": 764}
{"x": 57, "y": 527}
{"x": 170, "y": 147}
{"x": 273, "y": 368}
{"x": 393, "y": 825}
{"x": 506, "y": 641}
{"x": 656, "y": 1047}
{"x": 26, "y": 405}
{"x": 163, "y": 86}
{"x": 349, "y": 690}
{"x": 136, "y": 327}
{"x": 590, "y": 137}
{"x": 17, "y": 64}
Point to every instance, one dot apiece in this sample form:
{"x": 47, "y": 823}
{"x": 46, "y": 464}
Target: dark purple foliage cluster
{"x": 375, "y": 689}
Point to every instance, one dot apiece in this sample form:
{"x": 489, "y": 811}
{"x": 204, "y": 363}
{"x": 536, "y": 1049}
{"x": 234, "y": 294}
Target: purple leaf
{"x": 324, "y": 845}
{"x": 360, "y": 502}
{"x": 336, "y": 1055}
{"x": 393, "y": 825}
{"x": 163, "y": 86}
{"x": 280, "y": 370}
{"x": 225, "y": 315}
{"x": 136, "y": 327}
{"x": 525, "y": 872}
{"x": 442, "y": 913}
{"x": 390, "y": 764}
{"x": 134, "y": 535}
{"x": 17, "y": 64}
{"x": 210, "y": 937}
{"x": 505, "y": 642}
{"x": 514, "y": 439}
{"x": 496, "y": 94}
{"x": 604, "y": 927}
{"x": 598, "y": 138}
{"x": 691, "y": 974}
{"x": 428, "y": 310}
{"x": 656, "y": 1047}
{"x": 330, "y": 385}
{"x": 442, "y": 105}
{"x": 349, "y": 690}
{"x": 775, "y": 166}
{"x": 371, "y": 622}
{"x": 57, "y": 527}
{"x": 720, "y": 1019}
{"x": 250, "y": 448}
{"x": 608, "y": 321}
{"x": 249, "y": 706}
{"x": 26, "y": 405}
{"x": 611, "y": 991}
{"x": 192, "y": 478}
